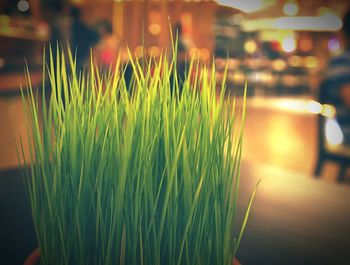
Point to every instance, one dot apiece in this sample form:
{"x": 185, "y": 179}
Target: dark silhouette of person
{"x": 335, "y": 87}
{"x": 181, "y": 53}
{"x": 57, "y": 17}
{"x": 335, "y": 90}
{"x": 181, "y": 62}
{"x": 83, "y": 38}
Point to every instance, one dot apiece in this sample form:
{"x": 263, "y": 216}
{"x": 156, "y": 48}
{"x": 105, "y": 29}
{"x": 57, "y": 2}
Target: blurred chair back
{"x": 330, "y": 141}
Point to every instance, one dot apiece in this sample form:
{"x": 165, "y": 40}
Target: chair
{"x": 339, "y": 154}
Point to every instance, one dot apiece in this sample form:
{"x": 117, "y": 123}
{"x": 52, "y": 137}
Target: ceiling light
{"x": 23, "y": 6}
{"x": 290, "y": 9}
{"x": 243, "y": 5}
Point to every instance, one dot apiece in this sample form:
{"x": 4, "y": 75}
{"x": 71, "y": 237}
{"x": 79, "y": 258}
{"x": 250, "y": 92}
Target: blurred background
{"x": 295, "y": 57}
{"x": 281, "y": 47}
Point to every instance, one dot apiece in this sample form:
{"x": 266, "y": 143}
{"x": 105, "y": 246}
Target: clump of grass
{"x": 138, "y": 175}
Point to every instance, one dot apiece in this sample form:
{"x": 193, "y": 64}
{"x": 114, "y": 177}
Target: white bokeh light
{"x": 23, "y": 6}
{"x": 334, "y": 134}
{"x": 289, "y": 44}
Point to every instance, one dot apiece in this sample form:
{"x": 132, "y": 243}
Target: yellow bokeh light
{"x": 328, "y": 111}
{"x": 194, "y": 52}
{"x": 154, "y": 28}
{"x": 279, "y": 65}
{"x": 239, "y": 77}
{"x": 311, "y": 62}
{"x": 250, "y": 46}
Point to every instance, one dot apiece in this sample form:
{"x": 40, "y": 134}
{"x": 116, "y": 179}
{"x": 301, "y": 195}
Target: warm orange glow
{"x": 239, "y": 77}
{"x": 305, "y": 44}
{"x": 186, "y": 22}
{"x": 139, "y": 51}
{"x": 194, "y": 52}
{"x": 204, "y": 54}
{"x": 154, "y": 51}
{"x": 279, "y": 65}
{"x": 154, "y": 16}
{"x": 154, "y": 28}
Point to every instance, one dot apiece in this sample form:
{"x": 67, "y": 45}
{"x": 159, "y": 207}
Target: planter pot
{"x": 236, "y": 262}
{"x": 34, "y": 258}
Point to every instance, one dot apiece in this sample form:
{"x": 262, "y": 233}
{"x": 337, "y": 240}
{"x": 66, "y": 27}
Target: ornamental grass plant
{"x": 138, "y": 174}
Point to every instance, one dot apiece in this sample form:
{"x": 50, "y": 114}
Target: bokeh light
{"x": 328, "y": 111}
{"x": 154, "y": 28}
{"x": 250, "y": 46}
{"x": 288, "y": 44}
{"x": 333, "y": 45}
{"x": 333, "y": 132}
{"x": 204, "y": 54}
{"x": 314, "y": 107}
{"x": 290, "y": 9}
{"x": 154, "y": 51}
{"x": 279, "y": 65}
{"x": 295, "y": 61}
{"x": 23, "y": 6}
{"x": 311, "y": 62}
{"x": 305, "y": 44}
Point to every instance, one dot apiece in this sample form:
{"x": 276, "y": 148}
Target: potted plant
{"x": 133, "y": 175}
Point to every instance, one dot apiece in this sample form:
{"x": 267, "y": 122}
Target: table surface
{"x": 295, "y": 219}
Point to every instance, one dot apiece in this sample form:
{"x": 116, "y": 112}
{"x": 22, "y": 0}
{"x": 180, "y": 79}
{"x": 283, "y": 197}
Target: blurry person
{"x": 182, "y": 53}
{"x": 335, "y": 88}
{"x": 58, "y": 23}
{"x": 83, "y": 38}
{"x": 106, "y": 51}
{"x": 182, "y": 46}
